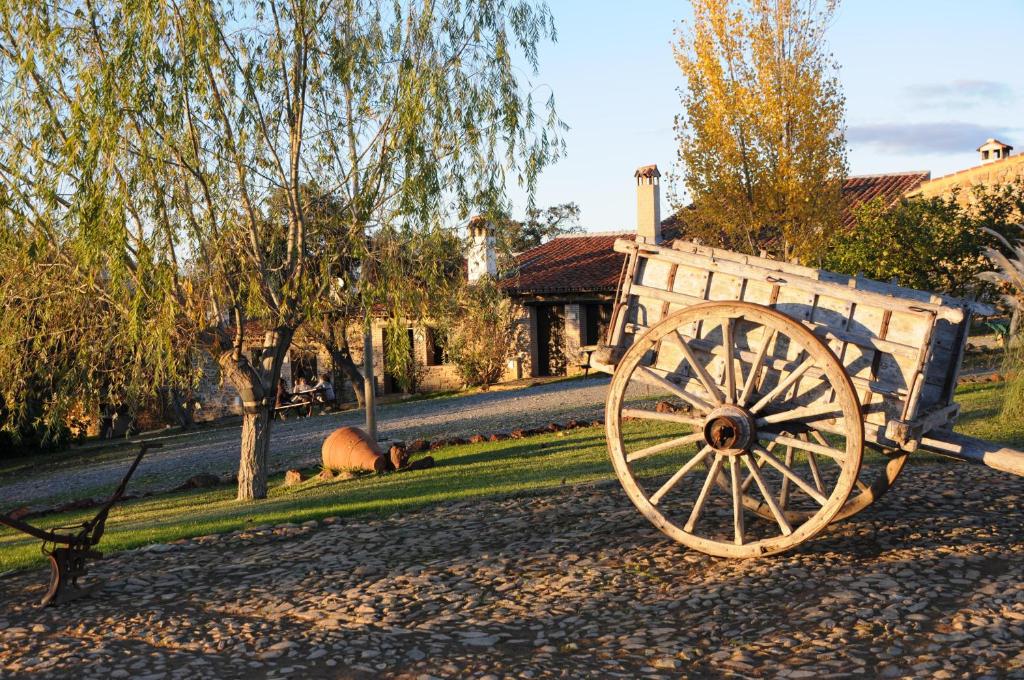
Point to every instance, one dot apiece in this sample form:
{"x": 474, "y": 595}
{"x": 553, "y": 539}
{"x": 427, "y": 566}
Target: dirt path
{"x": 296, "y": 442}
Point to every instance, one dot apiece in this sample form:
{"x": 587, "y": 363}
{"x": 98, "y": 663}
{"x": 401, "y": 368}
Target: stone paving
{"x": 928, "y": 583}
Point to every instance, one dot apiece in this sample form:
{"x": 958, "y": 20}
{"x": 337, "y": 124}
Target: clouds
{"x": 960, "y": 94}
{"x": 926, "y": 138}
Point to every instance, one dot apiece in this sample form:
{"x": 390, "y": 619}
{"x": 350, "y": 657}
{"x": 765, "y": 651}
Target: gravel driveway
{"x": 296, "y": 442}
{"x": 929, "y": 583}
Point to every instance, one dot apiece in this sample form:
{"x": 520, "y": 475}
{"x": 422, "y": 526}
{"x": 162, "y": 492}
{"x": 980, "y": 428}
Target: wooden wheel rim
{"x": 861, "y": 498}
{"x": 824, "y": 360}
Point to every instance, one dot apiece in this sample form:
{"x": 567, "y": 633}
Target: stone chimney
{"x": 993, "y": 150}
{"x": 481, "y": 260}
{"x": 648, "y": 204}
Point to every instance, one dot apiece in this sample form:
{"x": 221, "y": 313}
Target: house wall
{"x": 991, "y": 174}
{"x": 574, "y": 334}
{"x": 218, "y": 400}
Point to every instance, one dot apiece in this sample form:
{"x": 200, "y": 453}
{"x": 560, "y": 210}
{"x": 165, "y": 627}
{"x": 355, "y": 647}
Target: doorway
{"x": 550, "y": 340}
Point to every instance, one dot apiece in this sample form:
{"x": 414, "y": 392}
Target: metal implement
{"x": 69, "y": 548}
{"x": 782, "y": 374}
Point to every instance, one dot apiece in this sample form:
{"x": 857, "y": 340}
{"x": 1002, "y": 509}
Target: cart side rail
{"x": 901, "y": 347}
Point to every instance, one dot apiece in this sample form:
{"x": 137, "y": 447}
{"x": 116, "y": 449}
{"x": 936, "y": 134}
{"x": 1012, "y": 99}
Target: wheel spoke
{"x": 737, "y": 500}
{"x": 698, "y": 505}
{"x": 694, "y": 401}
{"x": 784, "y": 384}
{"x": 784, "y": 491}
{"x": 750, "y": 478}
{"x": 665, "y": 446}
{"x": 813, "y": 462}
{"x": 680, "y": 473}
{"x": 702, "y": 373}
{"x": 730, "y": 362}
{"x": 836, "y": 454}
{"x": 755, "y": 472}
{"x": 788, "y": 472}
{"x": 644, "y": 414}
{"x": 801, "y": 413}
{"x": 756, "y": 366}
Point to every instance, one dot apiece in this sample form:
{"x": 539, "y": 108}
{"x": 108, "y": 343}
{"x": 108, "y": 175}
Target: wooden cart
{"x": 778, "y": 375}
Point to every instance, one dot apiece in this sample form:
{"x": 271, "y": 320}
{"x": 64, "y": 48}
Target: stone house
{"x": 567, "y": 286}
{"x": 998, "y": 166}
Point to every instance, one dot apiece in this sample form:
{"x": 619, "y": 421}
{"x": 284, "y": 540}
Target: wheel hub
{"x": 729, "y": 430}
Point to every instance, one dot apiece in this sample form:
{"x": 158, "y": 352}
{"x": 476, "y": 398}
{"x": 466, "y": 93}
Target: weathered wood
{"x": 901, "y": 347}
{"x": 971, "y": 450}
{"x": 755, "y": 271}
{"x": 710, "y": 383}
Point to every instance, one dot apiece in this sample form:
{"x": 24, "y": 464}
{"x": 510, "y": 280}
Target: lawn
{"x": 463, "y": 472}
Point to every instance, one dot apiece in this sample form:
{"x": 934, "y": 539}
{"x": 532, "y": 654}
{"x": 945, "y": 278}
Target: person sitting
{"x": 325, "y": 390}
{"x": 303, "y": 394}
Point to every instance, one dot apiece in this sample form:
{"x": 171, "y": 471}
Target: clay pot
{"x": 350, "y": 447}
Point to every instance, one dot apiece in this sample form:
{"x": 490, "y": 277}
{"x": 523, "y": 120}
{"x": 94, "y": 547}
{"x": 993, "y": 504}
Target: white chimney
{"x": 993, "y": 150}
{"x": 481, "y": 260}
{"x": 648, "y": 204}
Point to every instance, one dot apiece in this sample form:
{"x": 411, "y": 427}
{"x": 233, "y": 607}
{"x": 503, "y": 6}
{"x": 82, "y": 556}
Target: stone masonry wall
{"x": 991, "y": 174}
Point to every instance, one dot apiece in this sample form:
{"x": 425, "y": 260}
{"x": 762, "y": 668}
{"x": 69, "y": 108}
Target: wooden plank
{"x": 711, "y": 347}
{"x": 971, "y": 450}
{"x": 824, "y": 332}
{"x": 799, "y": 280}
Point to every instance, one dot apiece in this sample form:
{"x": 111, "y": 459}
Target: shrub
{"x": 930, "y": 244}
{"x": 483, "y": 334}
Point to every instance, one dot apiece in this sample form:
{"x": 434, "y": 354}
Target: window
{"x": 437, "y": 346}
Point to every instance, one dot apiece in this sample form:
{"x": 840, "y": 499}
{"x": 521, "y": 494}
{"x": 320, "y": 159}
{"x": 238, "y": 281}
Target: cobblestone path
{"x": 928, "y": 583}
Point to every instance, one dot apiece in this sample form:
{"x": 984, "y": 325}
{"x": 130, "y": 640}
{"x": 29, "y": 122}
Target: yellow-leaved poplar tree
{"x": 761, "y": 138}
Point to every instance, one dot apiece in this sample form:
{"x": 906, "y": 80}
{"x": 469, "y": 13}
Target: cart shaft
{"x": 973, "y": 450}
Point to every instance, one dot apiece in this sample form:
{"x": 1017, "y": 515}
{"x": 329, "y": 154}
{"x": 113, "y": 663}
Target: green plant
{"x": 1009, "y": 280}
{"x": 925, "y": 243}
{"x": 483, "y": 334}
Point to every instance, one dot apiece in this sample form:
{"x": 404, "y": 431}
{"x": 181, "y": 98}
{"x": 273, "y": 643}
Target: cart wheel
{"x": 779, "y": 405}
{"x": 872, "y": 483}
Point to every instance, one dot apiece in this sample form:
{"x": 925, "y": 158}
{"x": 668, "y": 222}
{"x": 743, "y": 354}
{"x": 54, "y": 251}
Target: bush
{"x": 930, "y": 244}
{"x": 483, "y": 334}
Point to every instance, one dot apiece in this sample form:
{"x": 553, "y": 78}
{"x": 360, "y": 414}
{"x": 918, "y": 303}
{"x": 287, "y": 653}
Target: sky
{"x": 926, "y": 82}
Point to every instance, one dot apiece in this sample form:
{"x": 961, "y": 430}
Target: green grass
{"x": 980, "y": 406}
{"x": 471, "y": 471}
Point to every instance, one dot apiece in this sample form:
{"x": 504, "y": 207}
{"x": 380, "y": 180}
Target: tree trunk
{"x": 252, "y": 469}
{"x": 257, "y": 388}
{"x": 341, "y": 357}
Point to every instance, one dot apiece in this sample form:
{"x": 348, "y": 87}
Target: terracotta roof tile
{"x": 889, "y": 188}
{"x": 577, "y": 264}
{"x": 588, "y": 264}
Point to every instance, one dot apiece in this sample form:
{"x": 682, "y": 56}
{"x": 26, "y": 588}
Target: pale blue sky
{"x": 925, "y": 84}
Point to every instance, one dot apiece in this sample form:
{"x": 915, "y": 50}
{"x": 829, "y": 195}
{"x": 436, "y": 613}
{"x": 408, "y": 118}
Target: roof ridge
{"x": 904, "y": 173}
{"x": 588, "y": 234}
{"x": 1013, "y": 157}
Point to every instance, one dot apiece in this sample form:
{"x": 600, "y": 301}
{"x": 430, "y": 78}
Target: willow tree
{"x": 166, "y": 126}
{"x": 761, "y": 137}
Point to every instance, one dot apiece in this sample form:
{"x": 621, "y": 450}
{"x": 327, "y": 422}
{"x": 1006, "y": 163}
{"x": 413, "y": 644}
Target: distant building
{"x": 567, "y": 286}
{"x": 998, "y": 166}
